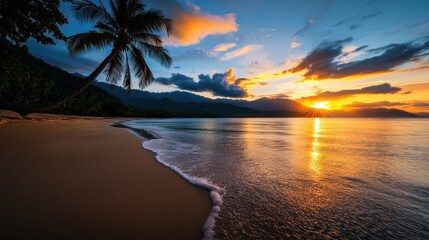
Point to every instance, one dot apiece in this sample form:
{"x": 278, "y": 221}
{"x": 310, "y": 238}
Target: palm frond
{"x": 105, "y": 28}
{"x": 114, "y": 69}
{"x": 122, "y": 13}
{"x": 149, "y": 38}
{"x": 158, "y": 53}
{"x": 85, "y": 41}
{"x": 87, "y": 11}
{"x": 141, "y": 69}
{"x": 150, "y": 21}
{"x": 135, "y": 8}
{"x": 126, "y": 83}
{"x": 114, "y": 8}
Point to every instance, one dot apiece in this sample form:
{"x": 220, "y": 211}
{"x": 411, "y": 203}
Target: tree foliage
{"x": 131, "y": 30}
{"x": 38, "y": 19}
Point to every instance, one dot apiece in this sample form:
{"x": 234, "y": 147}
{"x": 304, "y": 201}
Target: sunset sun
{"x": 321, "y": 105}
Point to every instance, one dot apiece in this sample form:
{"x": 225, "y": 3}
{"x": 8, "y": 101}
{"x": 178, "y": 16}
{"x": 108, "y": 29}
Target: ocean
{"x": 302, "y": 178}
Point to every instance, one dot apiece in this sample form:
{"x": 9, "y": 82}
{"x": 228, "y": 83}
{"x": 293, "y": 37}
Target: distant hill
{"x": 194, "y": 104}
{"x": 196, "y": 109}
{"x": 268, "y": 104}
{"x": 177, "y": 96}
{"x": 423, "y": 114}
{"x": 372, "y": 112}
{"x": 259, "y": 107}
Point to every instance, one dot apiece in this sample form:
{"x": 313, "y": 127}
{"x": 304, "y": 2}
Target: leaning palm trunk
{"x": 88, "y": 81}
{"x": 129, "y": 28}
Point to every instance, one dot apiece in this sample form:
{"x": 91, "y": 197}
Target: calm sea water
{"x": 303, "y": 178}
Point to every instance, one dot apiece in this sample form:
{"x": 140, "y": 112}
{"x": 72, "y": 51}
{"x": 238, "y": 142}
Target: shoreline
{"x": 216, "y": 192}
{"x": 83, "y": 178}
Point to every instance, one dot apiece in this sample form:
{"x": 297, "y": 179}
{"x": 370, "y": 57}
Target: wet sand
{"x": 83, "y": 179}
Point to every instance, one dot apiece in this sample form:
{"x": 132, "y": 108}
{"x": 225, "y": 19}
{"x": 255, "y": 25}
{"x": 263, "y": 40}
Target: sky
{"x": 345, "y": 54}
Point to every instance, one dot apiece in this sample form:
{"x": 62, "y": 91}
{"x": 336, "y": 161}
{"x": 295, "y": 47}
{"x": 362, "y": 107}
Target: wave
{"x": 153, "y": 142}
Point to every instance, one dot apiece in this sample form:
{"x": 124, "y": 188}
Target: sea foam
{"x": 156, "y": 145}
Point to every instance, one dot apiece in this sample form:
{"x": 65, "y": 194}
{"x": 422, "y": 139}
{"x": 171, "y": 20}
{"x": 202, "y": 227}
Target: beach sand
{"x": 83, "y": 179}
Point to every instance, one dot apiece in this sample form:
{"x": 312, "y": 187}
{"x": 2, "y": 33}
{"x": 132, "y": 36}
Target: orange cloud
{"x": 294, "y": 44}
{"x": 191, "y": 25}
{"x": 229, "y": 76}
{"x": 239, "y": 52}
{"x": 224, "y": 47}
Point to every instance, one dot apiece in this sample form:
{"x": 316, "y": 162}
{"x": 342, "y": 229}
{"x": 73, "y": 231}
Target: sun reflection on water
{"x": 315, "y": 145}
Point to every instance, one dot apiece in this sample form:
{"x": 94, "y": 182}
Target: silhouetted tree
{"x": 129, "y": 29}
{"x": 39, "y": 19}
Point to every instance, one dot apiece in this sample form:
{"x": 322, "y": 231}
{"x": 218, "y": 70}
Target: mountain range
{"x": 189, "y": 104}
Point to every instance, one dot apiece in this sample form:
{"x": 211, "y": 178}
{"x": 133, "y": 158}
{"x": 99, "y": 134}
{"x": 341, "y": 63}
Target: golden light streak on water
{"x": 315, "y": 147}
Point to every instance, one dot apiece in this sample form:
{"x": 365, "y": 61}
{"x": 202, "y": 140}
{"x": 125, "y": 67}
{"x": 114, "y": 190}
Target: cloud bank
{"x": 380, "y": 104}
{"x": 322, "y": 62}
{"x": 220, "y": 84}
{"x": 384, "y": 88}
{"x": 374, "y": 104}
{"x": 191, "y": 25}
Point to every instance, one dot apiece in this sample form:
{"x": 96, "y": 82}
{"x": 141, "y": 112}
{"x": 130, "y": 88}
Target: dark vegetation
{"x": 40, "y": 20}
{"x": 26, "y": 80}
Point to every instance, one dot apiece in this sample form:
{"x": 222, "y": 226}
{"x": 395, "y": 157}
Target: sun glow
{"x": 321, "y": 105}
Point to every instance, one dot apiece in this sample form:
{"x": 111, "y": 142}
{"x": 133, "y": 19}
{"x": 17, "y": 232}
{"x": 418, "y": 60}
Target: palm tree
{"x": 130, "y": 30}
